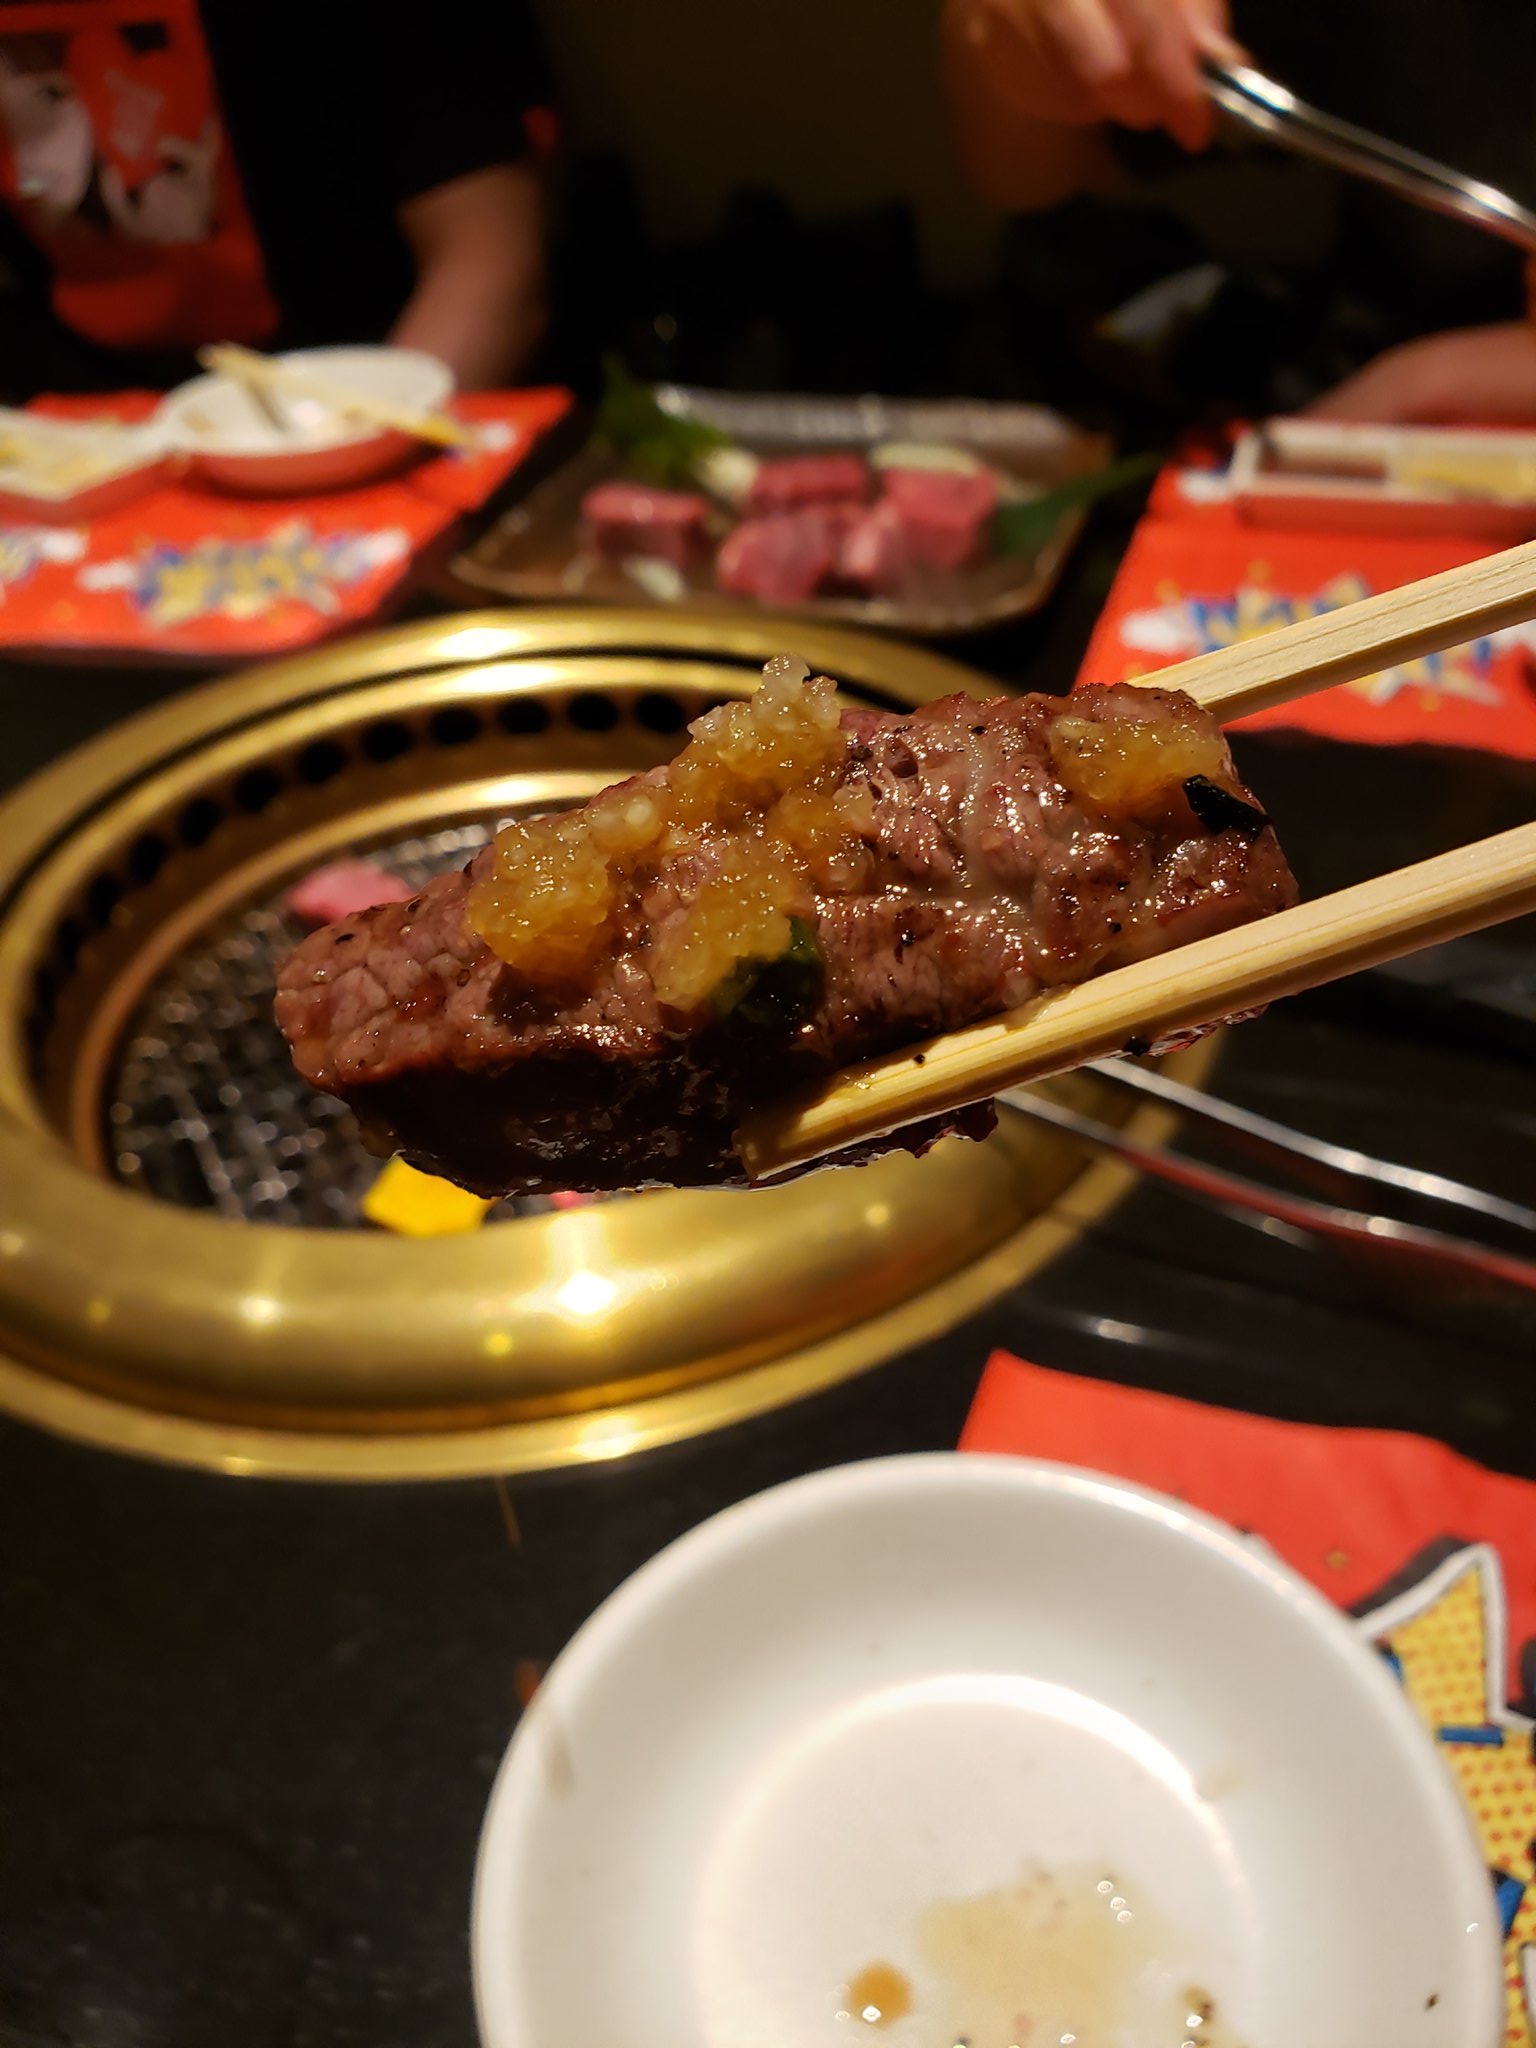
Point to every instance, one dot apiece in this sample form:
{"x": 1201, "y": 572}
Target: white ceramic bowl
{"x": 230, "y": 442}
{"x": 904, "y": 1713}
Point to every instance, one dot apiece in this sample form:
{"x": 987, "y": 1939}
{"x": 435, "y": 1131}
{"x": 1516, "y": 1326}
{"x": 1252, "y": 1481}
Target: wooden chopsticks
{"x": 1197, "y": 984}
{"x": 266, "y": 373}
{"x": 1222, "y": 976}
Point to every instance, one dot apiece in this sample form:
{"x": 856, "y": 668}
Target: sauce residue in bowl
{"x": 877, "y": 1997}
{"x": 1070, "y": 1960}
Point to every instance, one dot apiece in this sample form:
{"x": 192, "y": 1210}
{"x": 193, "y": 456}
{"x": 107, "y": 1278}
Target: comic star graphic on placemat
{"x": 24, "y": 550}
{"x": 291, "y": 564}
{"x": 1183, "y": 624}
{"x": 1199, "y": 576}
{"x": 1446, "y": 1638}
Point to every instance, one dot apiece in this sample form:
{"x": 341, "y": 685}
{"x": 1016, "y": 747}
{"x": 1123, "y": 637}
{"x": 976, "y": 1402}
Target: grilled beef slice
{"x": 992, "y": 883}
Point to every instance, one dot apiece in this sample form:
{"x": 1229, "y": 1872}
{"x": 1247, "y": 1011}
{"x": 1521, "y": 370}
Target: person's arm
{"x": 1477, "y": 376}
{"x": 1031, "y": 84}
{"x": 480, "y": 297}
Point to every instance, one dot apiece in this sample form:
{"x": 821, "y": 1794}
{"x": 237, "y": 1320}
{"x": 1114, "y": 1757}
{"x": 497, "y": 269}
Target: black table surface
{"x": 247, "y": 1728}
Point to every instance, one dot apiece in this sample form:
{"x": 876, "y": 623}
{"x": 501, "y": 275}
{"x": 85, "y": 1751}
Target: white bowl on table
{"x": 228, "y": 439}
{"x": 889, "y": 1732}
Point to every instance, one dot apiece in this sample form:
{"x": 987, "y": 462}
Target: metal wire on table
{"x": 1358, "y": 1229}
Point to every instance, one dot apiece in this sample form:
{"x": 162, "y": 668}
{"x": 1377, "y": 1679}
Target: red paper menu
{"x": 1197, "y": 577}
{"x": 1435, "y": 1555}
{"x": 189, "y": 572}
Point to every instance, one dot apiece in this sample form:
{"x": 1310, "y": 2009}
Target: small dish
{"x": 291, "y": 447}
{"x": 62, "y": 472}
{"x": 1344, "y": 476}
{"x": 831, "y": 1769}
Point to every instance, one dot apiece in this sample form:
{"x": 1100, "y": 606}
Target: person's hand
{"x": 1084, "y": 62}
{"x": 1477, "y": 376}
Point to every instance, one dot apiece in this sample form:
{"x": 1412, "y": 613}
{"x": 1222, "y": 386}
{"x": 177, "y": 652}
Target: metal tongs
{"x": 1343, "y": 1172}
{"x": 1270, "y": 109}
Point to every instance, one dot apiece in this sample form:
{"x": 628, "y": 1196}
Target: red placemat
{"x": 1434, "y": 1554}
{"x": 188, "y": 572}
{"x": 1197, "y": 577}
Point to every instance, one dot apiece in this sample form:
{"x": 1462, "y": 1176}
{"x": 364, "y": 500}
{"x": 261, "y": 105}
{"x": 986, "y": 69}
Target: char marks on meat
{"x": 991, "y": 881}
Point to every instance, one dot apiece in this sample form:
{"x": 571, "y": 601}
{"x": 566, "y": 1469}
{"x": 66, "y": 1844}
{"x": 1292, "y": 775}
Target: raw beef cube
{"x": 784, "y": 557}
{"x": 874, "y": 555}
{"x": 947, "y": 515}
{"x": 789, "y": 481}
{"x": 343, "y": 889}
{"x": 633, "y": 519}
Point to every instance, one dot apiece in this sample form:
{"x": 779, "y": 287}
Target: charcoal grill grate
{"x": 204, "y": 1107}
{"x": 151, "y": 1106}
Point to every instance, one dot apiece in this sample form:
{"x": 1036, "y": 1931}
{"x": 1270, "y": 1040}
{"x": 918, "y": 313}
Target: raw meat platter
{"x": 909, "y": 514}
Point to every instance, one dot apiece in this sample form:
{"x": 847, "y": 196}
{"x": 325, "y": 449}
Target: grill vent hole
{"x": 199, "y": 821}
{"x": 592, "y": 713}
{"x": 146, "y": 857}
{"x": 454, "y": 727}
{"x": 387, "y": 740}
{"x": 102, "y": 898}
{"x": 660, "y": 714}
{"x": 522, "y": 715}
{"x": 322, "y": 761}
{"x": 257, "y": 788}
